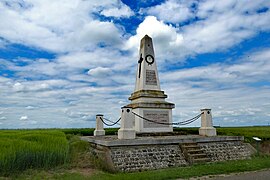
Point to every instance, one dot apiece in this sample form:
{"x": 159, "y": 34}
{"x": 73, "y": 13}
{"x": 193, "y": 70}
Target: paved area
{"x": 114, "y": 141}
{"x": 254, "y": 175}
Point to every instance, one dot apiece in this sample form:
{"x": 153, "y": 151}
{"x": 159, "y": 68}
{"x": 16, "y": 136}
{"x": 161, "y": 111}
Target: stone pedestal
{"x": 207, "y": 128}
{"x": 148, "y": 100}
{"x": 99, "y": 131}
{"x": 127, "y": 124}
{"x": 151, "y": 105}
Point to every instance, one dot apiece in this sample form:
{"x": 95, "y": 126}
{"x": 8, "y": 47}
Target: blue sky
{"x": 62, "y": 62}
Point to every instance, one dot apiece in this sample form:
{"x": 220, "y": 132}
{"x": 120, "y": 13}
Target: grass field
{"x": 23, "y": 149}
{"x": 59, "y": 153}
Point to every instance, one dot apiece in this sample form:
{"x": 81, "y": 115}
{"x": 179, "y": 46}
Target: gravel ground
{"x": 254, "y": 175}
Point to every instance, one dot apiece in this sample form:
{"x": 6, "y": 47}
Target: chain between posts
{"x": 153, "y": 121}
{"x": 177, "y": 123}
{"x": 113, "y": 123}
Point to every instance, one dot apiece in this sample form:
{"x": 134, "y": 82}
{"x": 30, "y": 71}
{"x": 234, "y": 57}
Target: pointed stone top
{"x": 147, "y": 75}
{"x": 146, "y": 36}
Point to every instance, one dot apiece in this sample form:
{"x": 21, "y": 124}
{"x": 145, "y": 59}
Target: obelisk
{"x": 147, "y": 100}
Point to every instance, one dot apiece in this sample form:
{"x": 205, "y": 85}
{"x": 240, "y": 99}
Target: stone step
{"x": 200, "y": 160}
{"x": 190, "y": 146}
{"x": 197, "y": 156}
{"x": 194, "y": 151}
{"x": 191, "y": 143}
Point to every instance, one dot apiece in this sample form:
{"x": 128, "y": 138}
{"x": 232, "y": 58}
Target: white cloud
{"x": 117, "y": 10}
{"x": 29, "y": 107}
{"x": 226, "y": 88}
{"x": 250, "y": 69}
{"x": 3, "y": 118}
{"x": 100, "y": 72}
{"x": 172, "y": 11}
{"x": 166, "y": 38}
{"x": 18, "y": 87}
{"x": 75, "y": 30}
{"x": 222, "y": 25}
{"x": 24, "y": 118}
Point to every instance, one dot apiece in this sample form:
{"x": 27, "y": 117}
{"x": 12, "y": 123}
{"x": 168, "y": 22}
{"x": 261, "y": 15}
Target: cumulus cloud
{"x": 24, "y": 118}
{"x": 172, "y": 11}
{"x": 3, "y": 118}
{"x": 29, "y": 107}
{"x": 166, "y": 37}
{"x": 99, "y": 72}
{"x": 117, "y": 10}
{"x": 18, "y": 87}
{"x": 29, "y": 22}
{"x": 221, "y": 25}
{"x": 229, "y": 89}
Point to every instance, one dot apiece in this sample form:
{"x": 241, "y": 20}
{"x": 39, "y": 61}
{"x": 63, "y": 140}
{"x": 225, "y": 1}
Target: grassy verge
{"x": 253, "y": 164}
{"x": 256, "y": 163}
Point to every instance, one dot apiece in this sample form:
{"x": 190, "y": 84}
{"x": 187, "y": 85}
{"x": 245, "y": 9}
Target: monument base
{"x": 152, "y": 112}
{"x": 126, "y": 134}
{"x": 99, "y": 132}
{"x": 207, "y": 131}
{"x": 149, "y": 153}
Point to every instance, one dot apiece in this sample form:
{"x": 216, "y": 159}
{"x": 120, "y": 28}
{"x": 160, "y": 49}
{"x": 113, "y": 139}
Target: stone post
{"x": 127, "y": 130}
{"x": 207, "y": 128}
{"x": 99, "y": 131}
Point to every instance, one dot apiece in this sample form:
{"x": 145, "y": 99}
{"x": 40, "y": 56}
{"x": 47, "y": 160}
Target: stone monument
{"x": 148, "y": 100}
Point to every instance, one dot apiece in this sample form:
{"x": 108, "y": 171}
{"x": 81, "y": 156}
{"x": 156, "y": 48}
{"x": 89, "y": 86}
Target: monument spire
{"x": 147, "y": 74}
{"x": 148, "y": 101}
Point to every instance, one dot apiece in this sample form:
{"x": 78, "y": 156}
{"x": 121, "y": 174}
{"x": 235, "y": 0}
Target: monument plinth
{"x": 148, "y": 100}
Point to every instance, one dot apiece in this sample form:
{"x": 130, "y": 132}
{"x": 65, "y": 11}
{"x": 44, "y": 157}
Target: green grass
{"x": 260, "y": 131}
{"x": 23, "y": 149}
{"x": 247, "y": 132}
{"x": 253, "y": 164}
{"x": 256, "y": 163}
{"x": 88, "y": 131}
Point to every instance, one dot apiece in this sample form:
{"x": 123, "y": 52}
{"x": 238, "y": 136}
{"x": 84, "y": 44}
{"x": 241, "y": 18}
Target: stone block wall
{"x": 132, "y": 158}
{"x": 138, "y": 158}
{"x": 223, "y": 151}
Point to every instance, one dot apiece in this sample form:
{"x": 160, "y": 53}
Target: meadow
{"x": 31, "y": 154}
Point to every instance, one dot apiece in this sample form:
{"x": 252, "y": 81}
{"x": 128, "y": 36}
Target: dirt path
{"x": 254, "y": 175}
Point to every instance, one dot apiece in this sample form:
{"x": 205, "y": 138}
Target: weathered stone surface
{"x": 155, "y": 105}
{"x": 207, "y": 128}
{"x": 223, "y": 151}
{"x": 127, "y": 124}
{"x": 147, "y": 93}
{"x": 138, "y": 158}
{"x": 152, "y": 140}
{"x": 147, "y": 153}
{"x": 99, "y": 131}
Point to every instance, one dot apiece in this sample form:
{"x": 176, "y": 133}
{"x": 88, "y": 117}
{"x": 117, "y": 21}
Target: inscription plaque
{"x": 158, "y": 116}
{"x": 151, "y": 78}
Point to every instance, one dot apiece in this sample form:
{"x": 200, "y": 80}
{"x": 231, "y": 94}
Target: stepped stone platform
{"x": 156, "y": 152}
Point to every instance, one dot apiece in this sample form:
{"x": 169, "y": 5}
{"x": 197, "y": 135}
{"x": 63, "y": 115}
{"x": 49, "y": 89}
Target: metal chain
{"x": 178, "y": 123}
{"x": 117, "y": 122}
{"x": 153, "y": 121}
{"x": 113, "y": 123}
